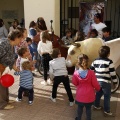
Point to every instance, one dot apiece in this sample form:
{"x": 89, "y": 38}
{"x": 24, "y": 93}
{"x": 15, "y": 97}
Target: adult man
{"x": 98, "y": 25}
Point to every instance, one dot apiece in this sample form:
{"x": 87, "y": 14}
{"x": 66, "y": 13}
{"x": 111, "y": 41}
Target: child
{"x": 45, "y": 49}
{"x": 58, "y": 70}
{"x": 67, "y": 39}
{"x": 32, "y": 50}
{"x": 24, "y": 54}
{"x": 106, "y": 34}
{"x": 93, "y": 33}
{"x": 105, "y": 72}
{"x": 26, "y": 82}
{"x": 85, "y": 81}
{"x": 22, "y": 44}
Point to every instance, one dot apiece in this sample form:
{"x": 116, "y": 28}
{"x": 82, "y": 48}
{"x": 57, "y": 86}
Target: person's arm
{"x": 39, "y": 48}
{"x": 92, "y": 66}
{"x": 75, "y": 80}
{"x": 51, "y": 47}
{"x": 5, "y": 32}
{"x": 95, "y": 83}
{"x": 51, "y": 71}
{"x": 112, "y": 72}
{"x": 68, "y": 61}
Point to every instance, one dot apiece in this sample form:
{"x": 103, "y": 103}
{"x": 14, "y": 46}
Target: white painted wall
{"x": 48, "y": 9}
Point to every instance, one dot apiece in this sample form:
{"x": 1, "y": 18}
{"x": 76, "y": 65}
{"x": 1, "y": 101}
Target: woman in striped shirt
{"x": 105, "y": 73}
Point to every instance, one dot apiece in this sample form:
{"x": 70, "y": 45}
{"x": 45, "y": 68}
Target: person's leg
{"x": 34, "y": 46}
{"x": 98, "y": 97}
{"x": 31, "y": 94}
{"x": 66, "y": 84}
{"x": 45, "y": 67}
{"x": 107, "y": 95}
{"x": 57, "y": 81}
{"x": 88, "y": 110}
{"x": 3, "y": 96}
{"x": 80, "y": 111}
{"x": 20, "y": 91}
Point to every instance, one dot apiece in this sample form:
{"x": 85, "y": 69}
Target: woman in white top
{"x": 45, "y": 49}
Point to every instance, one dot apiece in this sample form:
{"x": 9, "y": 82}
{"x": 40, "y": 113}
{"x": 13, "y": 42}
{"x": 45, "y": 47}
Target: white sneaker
{"x": 53, "y": 99}
{"x": 30, "y": 102}
{"x": 44, "y": 83}
{"x": 49, "y": 81}
{"x": 71, "y": 104}
{"x": 18, "y": 100}
{"x": 36, "y": 70}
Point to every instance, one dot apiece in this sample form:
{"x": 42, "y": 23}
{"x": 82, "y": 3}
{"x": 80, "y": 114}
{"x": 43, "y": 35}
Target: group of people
{"x": 96, "y": 30}
{"x": 23, "y": 61}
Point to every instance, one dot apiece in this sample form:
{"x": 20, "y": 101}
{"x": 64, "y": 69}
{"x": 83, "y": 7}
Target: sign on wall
{"x": 9, "y": 14}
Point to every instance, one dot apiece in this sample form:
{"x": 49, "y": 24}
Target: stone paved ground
{"x": 44, "y": 109}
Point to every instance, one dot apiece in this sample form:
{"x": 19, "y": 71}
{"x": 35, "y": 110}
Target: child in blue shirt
{"x": 26, "y": 82}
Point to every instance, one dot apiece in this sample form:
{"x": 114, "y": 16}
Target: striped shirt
{"x": 26, "y": 79}
{"x": 104, "y": 70}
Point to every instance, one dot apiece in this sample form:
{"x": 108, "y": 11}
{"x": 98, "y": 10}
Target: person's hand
{"x": 16, "y": 68}
{"x": 6, "y": 71}
{"x": 68, "y": 57}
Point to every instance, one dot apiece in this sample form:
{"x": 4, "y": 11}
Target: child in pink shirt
{"x": 86, "y": 83}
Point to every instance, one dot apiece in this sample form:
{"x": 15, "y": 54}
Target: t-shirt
{"x": 45, "y": 47}
{"x": 99, "y": 28}
{"x": 21, "y": 62}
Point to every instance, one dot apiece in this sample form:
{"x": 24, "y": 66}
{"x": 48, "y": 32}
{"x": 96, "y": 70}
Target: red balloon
{"x": 7, "y": 80}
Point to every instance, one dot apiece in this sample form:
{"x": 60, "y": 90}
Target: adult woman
{"x": 41, "y": 24}
{"x": 3, "y": 30}
{"x": 7, "y": 59}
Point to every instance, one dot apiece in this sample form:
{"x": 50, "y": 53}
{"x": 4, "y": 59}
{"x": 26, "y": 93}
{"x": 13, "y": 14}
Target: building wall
{"x": 11, "y": 5}
{"x": 48, "y": 9}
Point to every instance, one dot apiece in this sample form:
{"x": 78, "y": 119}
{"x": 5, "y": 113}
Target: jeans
{"x": 106, "y": 91}
{"x": 45, "y": 62}
{"x": 66, "y": 83}
{"x": 35, "y": 56}
{"x": 80, "y": 110}
{"x": 21, "y": 90}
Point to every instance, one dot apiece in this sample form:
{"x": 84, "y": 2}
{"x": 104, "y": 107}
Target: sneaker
{"x": 44, "y": 83}
{"x": 108, "y": 114}
{"x": 18, "y": 100}
{"x": 8, "y": 107}
{"x": 49, "y": 81}
{"x": 97, "y": 108}
{"x": 30, "y": 102}
{"x": 52, "y": 99}
{"x": 36, "y": 70}
{"x": 71, "y": 104}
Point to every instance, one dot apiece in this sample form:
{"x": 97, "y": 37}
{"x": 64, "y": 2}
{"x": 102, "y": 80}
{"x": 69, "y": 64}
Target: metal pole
{"x": 71, "y": 12}
{"x": 114, "y": 20}
{"x": 118, "y": 22}
{"x": 64, "y": 17}
{"x": 60, "y": 18}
